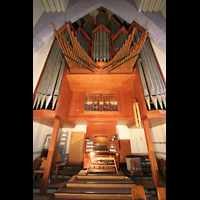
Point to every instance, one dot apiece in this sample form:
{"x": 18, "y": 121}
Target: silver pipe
{"x": 149, "y": 79}
{"x": 52, "y": 83}
{"x": 161, "y": 84}
{"x": 101, "y": 49}
{"x": 142, "y": 78}
{"x": 157, "y": 81}
{"x": 94, "y": 46}
{"x": 47, "y": 81}
{"x": 104, "y": 20}
{"x": 97, "y": 50}
{"x": 44, "y": 73}
{"x": 104, "y": 45}
{"x": 154, "y": 80}
{"x": 58, "y": 84}
{"x": 144, "y": 86}
{"x": 107, "y": 48}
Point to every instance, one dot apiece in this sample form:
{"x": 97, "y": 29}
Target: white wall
{"x": 161, "y": 57}
{"x": 158, "y": 134}
{"x": 39, "y": 132}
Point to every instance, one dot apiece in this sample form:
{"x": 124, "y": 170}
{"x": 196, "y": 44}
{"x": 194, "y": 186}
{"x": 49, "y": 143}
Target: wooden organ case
{"x": 101, "y": 69}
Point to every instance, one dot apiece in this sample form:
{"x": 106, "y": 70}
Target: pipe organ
{"x": 103, "y": 42}
{"x": 94, "y": 76}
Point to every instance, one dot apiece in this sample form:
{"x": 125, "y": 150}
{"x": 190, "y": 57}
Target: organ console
{"x": 101, "y": 145}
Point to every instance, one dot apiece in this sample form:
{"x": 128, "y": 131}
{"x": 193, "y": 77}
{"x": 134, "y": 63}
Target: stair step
{"x": 82, "y": 175}
{"x": 93, "y": 193}
{"x": 100, "y": 183}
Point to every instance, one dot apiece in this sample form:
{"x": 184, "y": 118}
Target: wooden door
{"x": 76, "y": 148}
{"x": 124, "y": 150}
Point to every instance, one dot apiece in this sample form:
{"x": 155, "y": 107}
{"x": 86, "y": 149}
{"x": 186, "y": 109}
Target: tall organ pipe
{"x": 57, "y": 88}
{"x": 101, "y": 46}
{"x": 48, "y": 79}
{"x": 153, "y": 77}
{"x": 47, "y": 75}
{"x": 44, "y": 74}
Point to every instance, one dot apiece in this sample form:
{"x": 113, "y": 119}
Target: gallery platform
{"x": 97, "y": 186}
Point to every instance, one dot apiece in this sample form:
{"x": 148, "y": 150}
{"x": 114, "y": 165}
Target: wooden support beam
{"x": 50, "y": 157}
{"x": 152, "y": 156}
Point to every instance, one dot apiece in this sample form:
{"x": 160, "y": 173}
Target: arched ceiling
{"x": 76, "y": 9}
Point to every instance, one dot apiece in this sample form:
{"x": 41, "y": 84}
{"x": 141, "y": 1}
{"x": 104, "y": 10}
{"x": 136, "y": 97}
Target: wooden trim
{"x": 99, "y": 185}
{"x": 103, "y": 14}
{"x": 151, "y": 152}
{"x": 119, "y": 33}
{"x": 139, "y": 28}
{"x": 92, "y": 196}
{"x": 112, "y": 18}
{"x": 103, "y": 27}
{"x": 90, "y": 19}
{"x": 50, "y": 157}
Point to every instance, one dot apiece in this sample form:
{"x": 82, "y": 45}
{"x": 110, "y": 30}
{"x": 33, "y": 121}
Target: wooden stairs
{"x": 97, "y": 186}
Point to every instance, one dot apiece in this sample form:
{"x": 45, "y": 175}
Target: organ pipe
{"x": 151, "y": 74}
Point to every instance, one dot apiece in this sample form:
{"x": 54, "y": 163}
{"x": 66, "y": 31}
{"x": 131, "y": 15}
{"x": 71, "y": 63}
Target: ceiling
{"x": 126, "y": 10}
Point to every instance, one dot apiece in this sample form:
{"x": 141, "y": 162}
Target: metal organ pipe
{"x": 49, "y": 85}
{"x": 107, "y": 48}
{"x": 48, "y": 78}
{"x": 88, "y": 27}
{"x": 38, "y": 92}
{"x": 57, "y": 88}
{"x": 104, "y": 45}
{"x": 120, "y": 41}
{"x": 101, "y": 46}
{"x": 150, "y": 67}
{"x": 94, "y": 46}
{"x": 113, "y": 27}
{"x": 83, "y": 42}
{"x": 101, "y": 19}
{"x": 151, "y": 74}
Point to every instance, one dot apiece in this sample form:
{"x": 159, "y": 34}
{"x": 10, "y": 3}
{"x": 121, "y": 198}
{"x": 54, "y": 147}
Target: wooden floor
{"x": 146, "y": 182}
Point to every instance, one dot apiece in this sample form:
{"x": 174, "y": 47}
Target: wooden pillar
{"x": 152, "y": 156}
{"x": 50, "y": 157}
